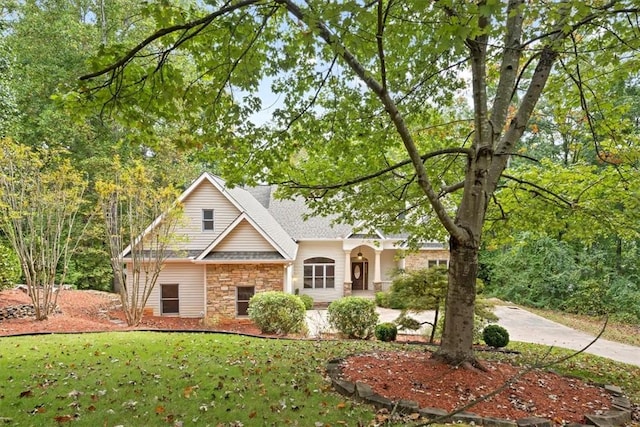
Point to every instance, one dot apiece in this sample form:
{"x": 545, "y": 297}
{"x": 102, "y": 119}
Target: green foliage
{"x": 10, "y": 271}
{"x": 277, "y": 312}
{"x": 543, "y": 272}
{"x": 495, "y": 336}
{"x": 535, "y": 271}
{"x": 382, "y": 299}
{"x": 406, "y": 322}
{"x": 386, "y": 332}
{"x": 41, "y": 195}
{"x": 353, "y": 317}
{"x": 423, "y": 289}
{"x": 307, "y": 300}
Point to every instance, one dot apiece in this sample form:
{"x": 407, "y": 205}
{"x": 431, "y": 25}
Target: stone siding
{"x": 418, "y": 260}
{"x": 223, "y": 279}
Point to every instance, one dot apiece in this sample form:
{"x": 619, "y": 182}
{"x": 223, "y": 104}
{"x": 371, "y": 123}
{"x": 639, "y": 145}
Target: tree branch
{"x": 565, "y": 201}
{"x": 205, "y": 21}
{"x": 391, "y": 109}
{"x": 359, "y": 180}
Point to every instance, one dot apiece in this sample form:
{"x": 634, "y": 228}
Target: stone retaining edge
{"x": 618, "y": 416}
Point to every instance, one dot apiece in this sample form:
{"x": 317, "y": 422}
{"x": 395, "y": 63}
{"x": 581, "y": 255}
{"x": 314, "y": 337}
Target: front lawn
{"x": 160, "y": 379}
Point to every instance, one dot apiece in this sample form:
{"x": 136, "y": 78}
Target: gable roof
{"x": 250, "y": 210}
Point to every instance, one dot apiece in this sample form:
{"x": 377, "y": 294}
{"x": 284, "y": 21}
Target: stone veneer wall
{"x": 223, "y": 279}
{"x": 418, "y": 260}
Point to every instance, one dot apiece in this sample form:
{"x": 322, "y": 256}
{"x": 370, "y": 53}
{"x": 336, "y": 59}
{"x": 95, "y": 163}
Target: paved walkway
{"x": 522, "y": 326}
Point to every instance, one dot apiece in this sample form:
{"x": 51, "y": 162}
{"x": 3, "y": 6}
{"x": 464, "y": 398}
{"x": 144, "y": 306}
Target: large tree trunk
{"x": 457, "y": 336}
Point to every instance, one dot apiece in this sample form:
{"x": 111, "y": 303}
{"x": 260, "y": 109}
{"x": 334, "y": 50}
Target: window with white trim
{"x": 169, "y": 299}
{"x": 207, "y": 220}
{"x": 438, "y": 262}
{"x": 319, "y": 273}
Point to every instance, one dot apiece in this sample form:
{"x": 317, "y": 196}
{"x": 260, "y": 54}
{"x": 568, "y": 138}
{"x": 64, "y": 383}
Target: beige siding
{"x": 320, "y": 249}
{"x": 206, "y": 196}
{"x": 190, "y": 280}
{"x": 244, "y": 238}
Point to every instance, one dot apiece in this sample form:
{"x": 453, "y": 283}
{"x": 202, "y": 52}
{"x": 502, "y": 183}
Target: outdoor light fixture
{"x": 359, "y": 255}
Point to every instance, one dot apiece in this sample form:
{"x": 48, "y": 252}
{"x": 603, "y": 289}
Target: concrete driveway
{"x": 522, "y": 326}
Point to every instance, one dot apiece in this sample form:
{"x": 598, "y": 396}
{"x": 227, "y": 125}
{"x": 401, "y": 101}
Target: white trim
{"x": 231, "y": 227}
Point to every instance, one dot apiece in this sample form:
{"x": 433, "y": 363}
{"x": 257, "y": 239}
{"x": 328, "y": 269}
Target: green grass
{"x": 143, "y": 378}
{"x": 156, "y": 379}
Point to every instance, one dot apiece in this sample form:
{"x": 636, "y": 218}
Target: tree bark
{"x": 457, "y": 335}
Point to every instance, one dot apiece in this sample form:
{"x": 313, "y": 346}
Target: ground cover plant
{"x": 145, "y": 378}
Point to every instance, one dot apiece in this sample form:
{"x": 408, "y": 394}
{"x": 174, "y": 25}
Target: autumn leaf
{"x": 189, "y": 390}
{"x": 341, "y": 405}
{"x": 26, "y": 393}
{"x": 253, "y": 414}
{"x": 63, "y": 418}
{"x": 159, "y": 409}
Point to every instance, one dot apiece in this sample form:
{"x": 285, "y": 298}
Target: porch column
{"x": 347, "y": 274}
{"x": 377, "y": 276}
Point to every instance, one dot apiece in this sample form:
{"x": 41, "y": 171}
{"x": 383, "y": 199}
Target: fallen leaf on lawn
{"x": 253, "y": 414}
{"x": 63, "y": 418}
{"x": 159, "y": 409}
{"x": 341, "y": 405}
{"x": 26, "y": 393}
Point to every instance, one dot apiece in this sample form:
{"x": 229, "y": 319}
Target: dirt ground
{"x": 397, "y": 375}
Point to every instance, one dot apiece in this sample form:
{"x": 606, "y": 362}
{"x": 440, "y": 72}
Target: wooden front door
{"x": 359, "y": 275}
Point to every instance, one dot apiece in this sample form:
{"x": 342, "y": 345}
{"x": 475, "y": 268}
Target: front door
{"x": 359, "y": 275}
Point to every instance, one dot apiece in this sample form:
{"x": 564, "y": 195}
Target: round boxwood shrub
{"x": 495, "y": 336}
{"x": 307, "y": 301}
{"x": 277, "y": 312}
{"x": 386, "y": 332}
{"x": 353, "y": 317}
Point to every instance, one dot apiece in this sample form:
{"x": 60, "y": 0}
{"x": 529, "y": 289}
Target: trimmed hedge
{"x": 353, "y": 316}
{"x": 277, "y": 312}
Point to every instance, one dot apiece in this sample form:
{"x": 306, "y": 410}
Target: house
{"x": 235, "y": 242}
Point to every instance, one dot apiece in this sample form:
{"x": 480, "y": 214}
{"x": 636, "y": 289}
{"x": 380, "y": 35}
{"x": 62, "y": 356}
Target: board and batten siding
{"x": 244, "y": 238}
{"x": 190, "y": 280}
{"x": 189, "y": 229}
{"x": 331, "y": 250}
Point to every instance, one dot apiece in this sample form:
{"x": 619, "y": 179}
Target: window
{"x": 207, "y": 220}
{"x": 244, "y": 294}
{"x": 319, "y": 273}
{"x": 169, "y": 301}
{"x": 438, "y": 262}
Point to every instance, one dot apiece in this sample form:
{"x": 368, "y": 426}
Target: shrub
{"x": 10, "y": 271}
{"x": 354, "y": 317}
{"x": 277, "y": 312}
{"x": 386, "y": 332}
{"x": 382, "y": 299}
{"x": 495, "y": 336}
{"x": 307, "y": 301}
{"x": 405, "y": 322}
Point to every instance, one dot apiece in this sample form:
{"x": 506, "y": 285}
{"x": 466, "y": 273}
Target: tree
{"x": 420, "y": 290}
{"x": 374, "y": 109}
{"x": 129, "y": 203}
{"x": 40, "y": 198}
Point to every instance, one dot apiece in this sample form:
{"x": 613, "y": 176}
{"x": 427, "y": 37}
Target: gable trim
{"x": 242, "y": 217}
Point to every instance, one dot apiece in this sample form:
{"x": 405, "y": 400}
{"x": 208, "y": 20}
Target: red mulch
{"x": 397, "y": 375}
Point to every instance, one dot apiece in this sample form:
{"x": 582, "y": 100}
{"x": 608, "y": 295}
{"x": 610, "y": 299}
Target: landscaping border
{"x": 619, "y": 415}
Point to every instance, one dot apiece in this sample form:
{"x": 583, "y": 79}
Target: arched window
{"x": 319, "y": 273}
